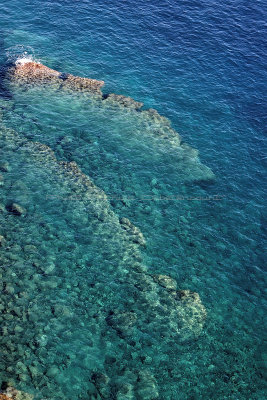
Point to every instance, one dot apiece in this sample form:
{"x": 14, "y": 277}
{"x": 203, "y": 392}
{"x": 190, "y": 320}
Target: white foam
{"x": 23, "y": 60}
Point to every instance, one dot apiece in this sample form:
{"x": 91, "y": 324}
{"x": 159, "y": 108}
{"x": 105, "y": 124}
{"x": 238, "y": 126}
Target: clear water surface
{"x": 67, "y": 265}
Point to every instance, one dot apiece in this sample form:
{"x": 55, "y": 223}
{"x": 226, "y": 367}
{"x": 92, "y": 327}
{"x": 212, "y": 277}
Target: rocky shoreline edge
{"x": 29, "y": 73}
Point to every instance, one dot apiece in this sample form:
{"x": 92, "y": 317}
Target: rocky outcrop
{"x": 31, "y": 72}
{"x": 10, "y": 393}
{"x": 4, "y": 397}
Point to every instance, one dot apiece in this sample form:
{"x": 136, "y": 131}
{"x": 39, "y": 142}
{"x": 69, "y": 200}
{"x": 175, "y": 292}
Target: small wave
{"x": 23, "y": 60}
{"x": 20, "y": 54}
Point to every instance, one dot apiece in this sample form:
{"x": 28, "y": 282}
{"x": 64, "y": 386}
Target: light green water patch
{"x": 127, "y": 125}
{"x": 144, "y": 177}
{"x": 191, "y": 240}
{"x": 81, "y": 316}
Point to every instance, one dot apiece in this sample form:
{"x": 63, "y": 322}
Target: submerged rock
{"x": 4, "y": 166}
{"x": 154, "y": 116}
{"x": 134, "y": 233}
{"x": 189, "y": 313}
{"x": 166, "y": 281}
{"x": 16, "y": 209}
{"x": 147, "y": 388}
{"x": 101, "y": 382}
{"x": 10, "y": 393}
{"x": 2, "y": 240}
{"x": 117, "y": 99}
{"x": 52, "y": 371}
{"x": 48, "y": 268}
{"x": 122, "y": 321}
{"x": 125, "y": 392}
{"x": 152, "y": 309}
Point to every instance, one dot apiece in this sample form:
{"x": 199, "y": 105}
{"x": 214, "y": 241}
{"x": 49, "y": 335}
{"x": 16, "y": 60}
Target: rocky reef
{"x": 10, "y": 393}
{"x": 111, "y": 296}
{"x": 150, "y": 123}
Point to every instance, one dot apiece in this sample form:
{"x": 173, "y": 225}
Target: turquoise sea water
{"x": 82, "y": 315}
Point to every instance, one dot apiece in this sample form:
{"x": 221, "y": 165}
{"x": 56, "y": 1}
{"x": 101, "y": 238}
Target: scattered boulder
{"x": 10, "y": 393}
{"x": 48, "y": 268}
{"x": 52, "y": 371}
{"x": 2, "y": 240}
{"x": 4, "y": 166}
{"x": 147, "y": 386}
{"x": 144, "y": 283}
{"x": 30, "y": 249}
{"x": 125, "y": 392}
{"x": 4, "y": 397}
{"x": 165, "y": 281}
{"x": 122, "y": 322}
{"x": 16, "y": 209}
{"x": 134, "y": 233}
{"x": 188, "y": 315}
{"x": 62, "y": 311}
{"x": 101, "y": 381}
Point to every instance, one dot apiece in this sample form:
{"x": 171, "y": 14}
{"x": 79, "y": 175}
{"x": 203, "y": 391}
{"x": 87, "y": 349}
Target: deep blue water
{"x": 203, "y": 66}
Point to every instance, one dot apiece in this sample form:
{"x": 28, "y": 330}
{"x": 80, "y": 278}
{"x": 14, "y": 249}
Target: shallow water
{"x": 68, "y": 264}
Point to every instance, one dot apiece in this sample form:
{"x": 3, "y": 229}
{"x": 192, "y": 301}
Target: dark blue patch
{"x": 63, "y": 76}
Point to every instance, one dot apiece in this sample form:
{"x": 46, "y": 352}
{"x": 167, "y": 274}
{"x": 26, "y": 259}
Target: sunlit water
{"x": 64, "y": 261}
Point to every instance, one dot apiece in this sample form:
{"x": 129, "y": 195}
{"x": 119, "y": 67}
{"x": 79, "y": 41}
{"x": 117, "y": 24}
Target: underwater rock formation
{"x": 16, "y": 209}
{"x": 165, "y": 281}
{"x": 2, "y": 240}
{"x": 127, "y": 102}
{"x": 10, "y": 393}
{"x": 147, "y": 386}
{"x": 133, "y": 231}
{"x": 150, "y": 313}
{"x": 4, "y": 397}
{"x": 4, "y": 167}
{"x": 150, "y": 122}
